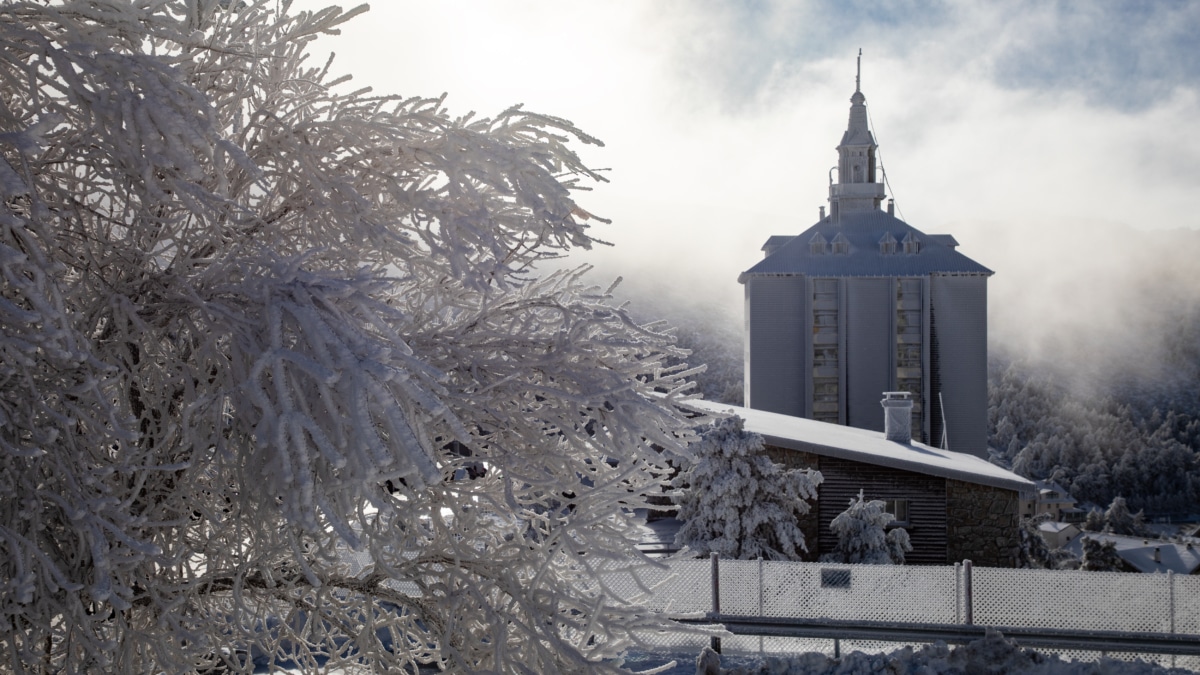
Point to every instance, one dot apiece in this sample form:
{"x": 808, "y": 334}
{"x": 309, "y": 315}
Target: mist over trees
{"x": 252, "y": 322}
{"x": 1133, "y": 439}
{"x": 709, "y": 332}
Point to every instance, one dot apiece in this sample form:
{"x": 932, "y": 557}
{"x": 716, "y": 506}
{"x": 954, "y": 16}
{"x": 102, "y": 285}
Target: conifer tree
{"x": 739, "y": 503}
{"x": 1119, "y": 520}
{"x": 1100, "y": 556}
{"x": 863, "y": 537}
{"x": 1033, "y": 552}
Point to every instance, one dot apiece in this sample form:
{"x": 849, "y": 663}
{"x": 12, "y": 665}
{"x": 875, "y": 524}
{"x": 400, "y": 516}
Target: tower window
{"x": 841, "y": 245}
{"x": 826, "y": 405}
{"x": 817, "y": 244}
{"x": 910, "y": 361}
{"x": 887, "y": 245}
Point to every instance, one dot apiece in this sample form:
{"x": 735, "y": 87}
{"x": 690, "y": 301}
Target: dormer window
{"x": 841, "y": 245}
{"x": 911, "y": 243}
{"x": 887, "y": 245}
{"x": 817, "y": 244}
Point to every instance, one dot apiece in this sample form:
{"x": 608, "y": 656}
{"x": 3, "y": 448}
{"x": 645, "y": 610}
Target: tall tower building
{"x": 862, "y": 303}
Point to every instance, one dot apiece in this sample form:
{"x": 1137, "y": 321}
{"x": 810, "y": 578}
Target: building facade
{"x": 862, "y": 303}
{"x": 954, "y": 506}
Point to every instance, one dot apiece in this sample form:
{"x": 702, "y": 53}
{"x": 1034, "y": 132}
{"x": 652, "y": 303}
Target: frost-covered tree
{"x": 1119, "y": 520}
{"x": 1102, "y": 439}
{"x": 863, "y": 537}
{"x": 1100, "y": 556}
{"x": 1033, "y": 551}
{"x": 252, "y": 325}
{"x": 1062, "y": 559}
{"x": 1094, "y": 521}
{"x": 739, "y": 503}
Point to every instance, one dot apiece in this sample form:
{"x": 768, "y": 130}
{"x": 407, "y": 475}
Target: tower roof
{"x": 857, "y": 131}
{"x": 866, "y": 255}
{"x": 857, "y": 239}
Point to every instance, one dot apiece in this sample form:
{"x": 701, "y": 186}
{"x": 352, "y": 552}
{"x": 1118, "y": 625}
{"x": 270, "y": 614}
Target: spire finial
{"x": 858, "y": 75}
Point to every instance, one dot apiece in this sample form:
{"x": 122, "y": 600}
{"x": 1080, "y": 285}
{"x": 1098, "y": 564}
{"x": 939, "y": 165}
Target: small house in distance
{"x": 1052, "y": 499}
{"x": 954, "y": 506}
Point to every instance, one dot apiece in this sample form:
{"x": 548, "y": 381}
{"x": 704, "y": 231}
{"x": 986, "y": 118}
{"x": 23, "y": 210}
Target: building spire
{"x": 858, "y": 75}
{"x": 857, "y": 187}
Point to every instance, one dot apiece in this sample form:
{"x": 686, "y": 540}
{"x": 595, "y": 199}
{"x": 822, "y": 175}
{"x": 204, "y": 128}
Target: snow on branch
{"x": 278, "y": 375}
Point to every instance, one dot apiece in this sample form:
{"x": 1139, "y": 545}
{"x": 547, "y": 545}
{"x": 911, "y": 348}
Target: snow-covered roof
{"x": 1139, "y": 552}
{"x": 863, "y": 229}
{"x": 868, "y": 447}
{"x": 1055, "y": 526}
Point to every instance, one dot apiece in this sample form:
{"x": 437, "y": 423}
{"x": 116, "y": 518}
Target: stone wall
{"x": 796, "y": 459}
{"x": 981, "y": 524}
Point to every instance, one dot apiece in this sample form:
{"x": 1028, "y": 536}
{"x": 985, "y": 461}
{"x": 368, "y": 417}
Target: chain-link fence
{"x": 1053, "y": 599}
{"x": 1057, "y": 599}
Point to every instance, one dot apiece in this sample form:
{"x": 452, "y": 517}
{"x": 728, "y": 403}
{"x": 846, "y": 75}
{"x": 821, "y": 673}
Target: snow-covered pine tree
{"x": 739, "y": 503}
{"x": 1119, "y": 520}
{"x": 1100, "y": 556}
{"x": 863, "y": 537}
{"x": 251, "y": 321}
{"x": 1094, "y": 521}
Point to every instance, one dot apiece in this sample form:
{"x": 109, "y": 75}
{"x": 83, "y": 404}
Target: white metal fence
{"x": 1102, "y": 601}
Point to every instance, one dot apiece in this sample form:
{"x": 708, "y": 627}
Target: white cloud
{"x": 1003, "y": 124}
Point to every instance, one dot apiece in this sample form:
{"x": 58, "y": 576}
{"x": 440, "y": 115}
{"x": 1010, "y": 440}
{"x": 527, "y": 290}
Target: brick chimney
{"x": 897, "y": 416}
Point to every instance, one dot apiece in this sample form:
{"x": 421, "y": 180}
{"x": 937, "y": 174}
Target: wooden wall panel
{"x": 926, "y": 496}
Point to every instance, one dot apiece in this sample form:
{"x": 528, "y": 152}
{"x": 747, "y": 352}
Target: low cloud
{"x": 1051, "y": 140}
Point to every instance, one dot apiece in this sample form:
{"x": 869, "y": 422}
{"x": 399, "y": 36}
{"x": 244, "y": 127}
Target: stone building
{"x": 861, "y": 303}
{"x": 955, "y": 506}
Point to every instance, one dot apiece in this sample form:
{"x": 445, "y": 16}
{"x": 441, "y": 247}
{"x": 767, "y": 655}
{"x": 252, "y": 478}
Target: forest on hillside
{"x": 1100, "y": 426}
{"x": 1114, "y": 435}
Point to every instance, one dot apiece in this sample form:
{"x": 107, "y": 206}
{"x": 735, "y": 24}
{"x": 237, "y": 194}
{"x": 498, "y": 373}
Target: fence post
{"x": 1171, "y": 600}
{"x": 958, "y": 593}
{"x": 1171, "y": 596}
{"x": 760, "y": 599}
{"x": 968, "y": 609}
{"x": 716, "y": 597}
{"x": 760, "y": 586}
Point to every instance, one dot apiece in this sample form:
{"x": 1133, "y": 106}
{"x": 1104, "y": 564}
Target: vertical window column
{"x": 825, "y": 406}
{"x": 910, "y": 348}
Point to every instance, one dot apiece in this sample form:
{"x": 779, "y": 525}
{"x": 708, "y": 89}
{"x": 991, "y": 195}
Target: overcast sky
{"x": 1032, "y": 131}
